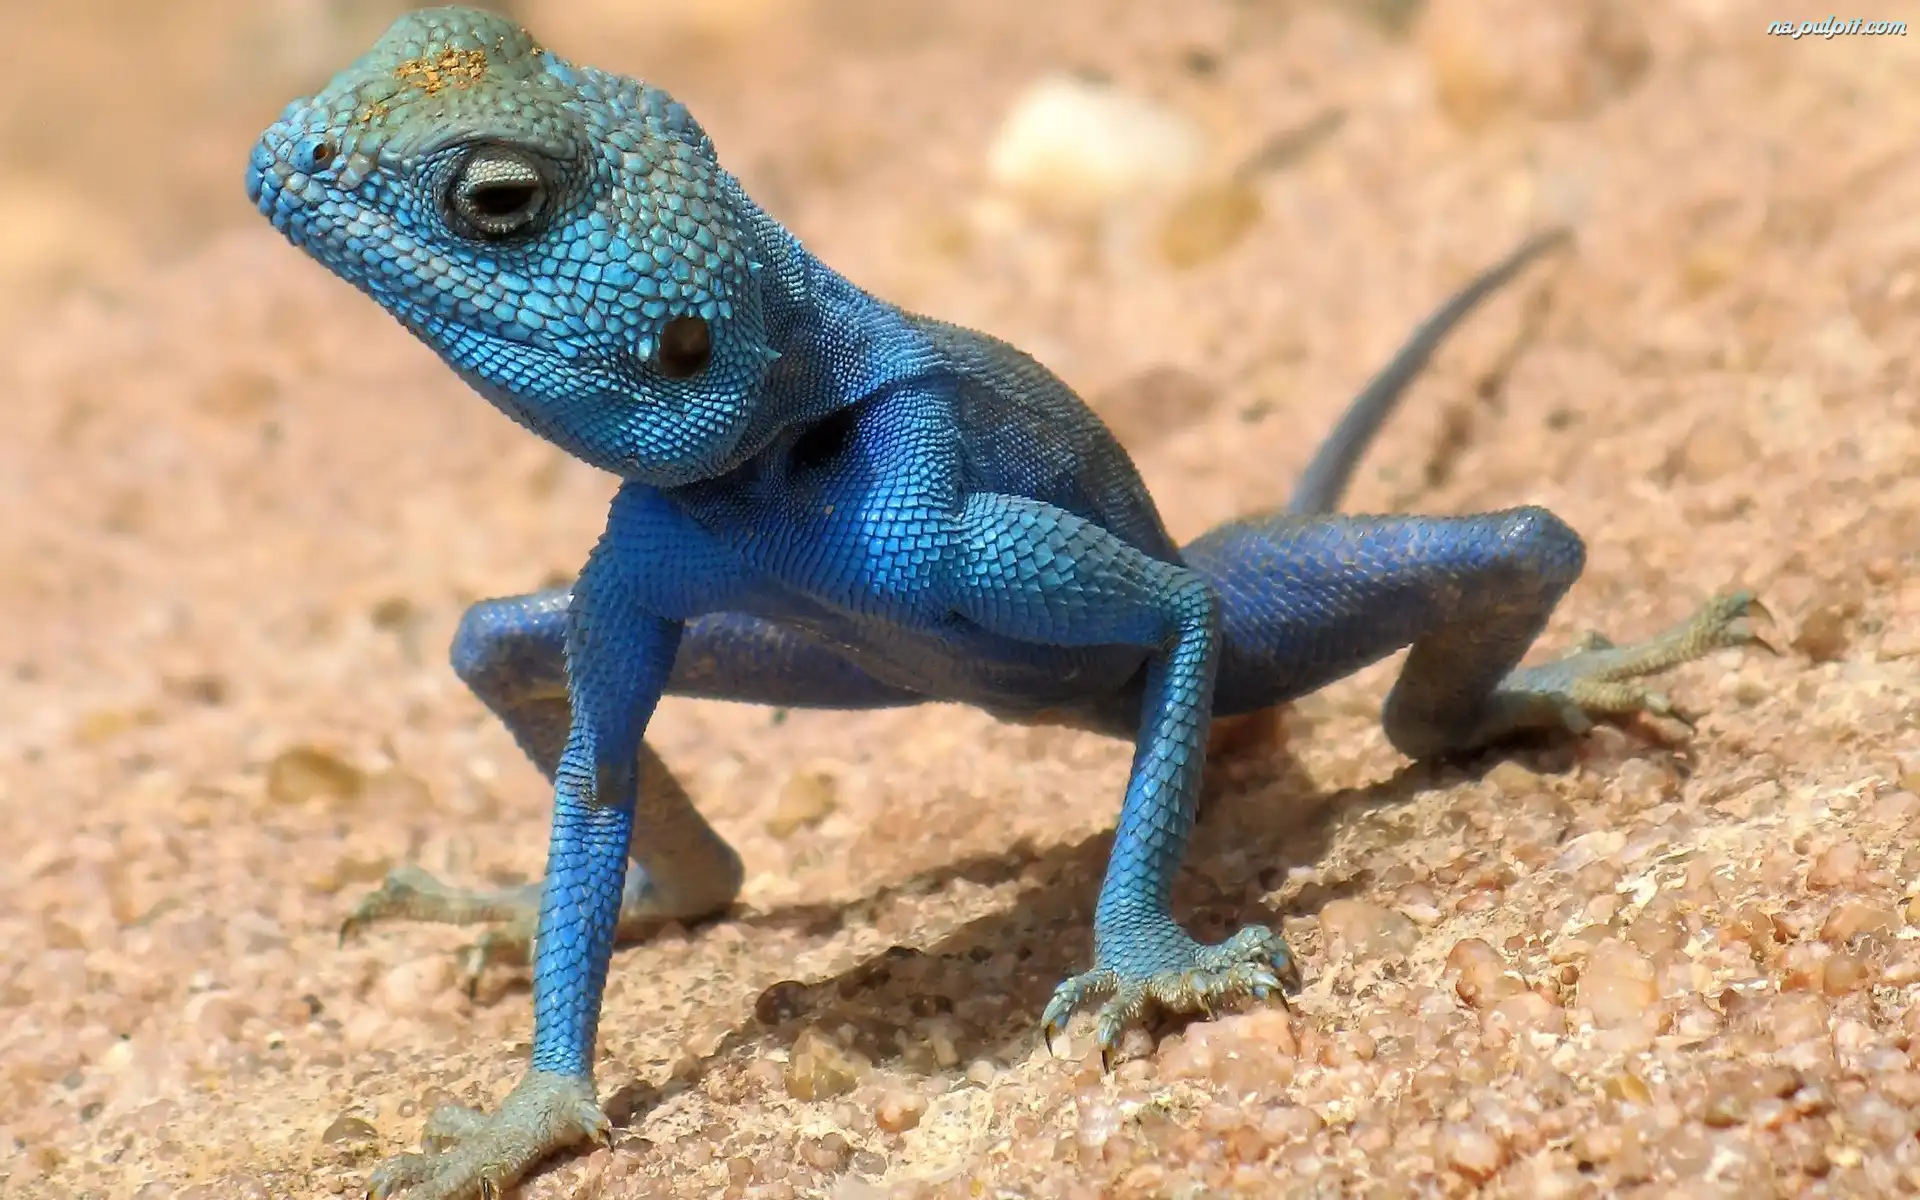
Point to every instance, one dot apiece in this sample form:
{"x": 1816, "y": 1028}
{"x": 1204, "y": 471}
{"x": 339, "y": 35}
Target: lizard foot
{"x": 1600, "y": 678}
{"x": 471, "y": 1154}
{"x": 1161, "y": 965}
{"x": 411, "y": 894}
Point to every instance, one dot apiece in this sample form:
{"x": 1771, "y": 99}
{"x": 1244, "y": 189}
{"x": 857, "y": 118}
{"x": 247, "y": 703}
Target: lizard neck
{"x": 837, "y": 344}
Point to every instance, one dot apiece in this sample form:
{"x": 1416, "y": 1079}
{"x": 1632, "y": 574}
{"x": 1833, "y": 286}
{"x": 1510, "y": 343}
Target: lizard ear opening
{"x": 686, "y": 346}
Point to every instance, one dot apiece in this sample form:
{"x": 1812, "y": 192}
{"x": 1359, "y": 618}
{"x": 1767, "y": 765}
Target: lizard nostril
{"x": 318, "y": 153}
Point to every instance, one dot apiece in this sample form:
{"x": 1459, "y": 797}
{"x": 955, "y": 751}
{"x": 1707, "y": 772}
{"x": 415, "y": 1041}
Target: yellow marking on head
{"x": 451, "y": 69}
{"x": 372, "y": 112}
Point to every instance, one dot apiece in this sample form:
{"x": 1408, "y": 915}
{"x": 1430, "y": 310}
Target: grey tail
{"x": 1325, "y": 480}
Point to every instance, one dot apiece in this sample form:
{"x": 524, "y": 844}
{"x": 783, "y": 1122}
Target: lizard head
{"x": 562, "y": 237}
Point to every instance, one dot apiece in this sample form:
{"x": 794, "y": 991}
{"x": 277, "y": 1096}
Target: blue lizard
{"x": 826, "y": 501}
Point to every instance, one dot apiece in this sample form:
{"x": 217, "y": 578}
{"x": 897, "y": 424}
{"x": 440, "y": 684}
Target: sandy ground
{"x": 242, "y": 512}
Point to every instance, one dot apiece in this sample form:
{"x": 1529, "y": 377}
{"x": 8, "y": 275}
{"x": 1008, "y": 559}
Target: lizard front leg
{"x": 619, "y": 656}
{"x": 1032, "y": 572}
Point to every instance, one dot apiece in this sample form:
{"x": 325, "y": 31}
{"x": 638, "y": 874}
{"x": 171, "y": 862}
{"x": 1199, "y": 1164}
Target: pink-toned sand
{"x": 240, "y": 512}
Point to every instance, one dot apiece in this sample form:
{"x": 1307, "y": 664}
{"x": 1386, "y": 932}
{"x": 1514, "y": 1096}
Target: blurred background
{"x": 124, "y": 126}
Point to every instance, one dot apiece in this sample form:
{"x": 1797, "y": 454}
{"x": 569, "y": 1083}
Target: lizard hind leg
{"x": 1309, "y": 600}
{"x": 511, "y": 653}
{"x": 511, "y": 915}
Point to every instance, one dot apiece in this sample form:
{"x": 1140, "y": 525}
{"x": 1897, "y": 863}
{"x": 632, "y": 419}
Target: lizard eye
{"x": 496, "y": 194}
{"x": 685, "y": 347}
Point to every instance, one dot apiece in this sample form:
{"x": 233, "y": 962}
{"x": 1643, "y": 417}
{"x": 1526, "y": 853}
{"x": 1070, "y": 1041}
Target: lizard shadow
{"x": 977, "y": 992}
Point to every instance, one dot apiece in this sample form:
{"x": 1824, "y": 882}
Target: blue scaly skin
{"x": 829, "y": 502}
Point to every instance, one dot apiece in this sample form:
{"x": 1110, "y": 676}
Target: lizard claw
{"x": 1755, "y": 609}
{"x": 1159, "y": 966}
{"x": 480, "y": 1154}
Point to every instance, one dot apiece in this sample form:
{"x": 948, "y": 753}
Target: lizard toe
{"x": 468, "y": 1154}
{"x": 1175, "y": 974}
{"x": 1073, "y": 992}
{"x": 510, "y": 943}
{"x": 1602, "y": 679}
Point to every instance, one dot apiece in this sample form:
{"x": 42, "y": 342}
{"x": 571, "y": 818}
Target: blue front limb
{"x": 1163, "y": 788}
{"x": 1037, "y": 574}
{"x": 620, "y": 655}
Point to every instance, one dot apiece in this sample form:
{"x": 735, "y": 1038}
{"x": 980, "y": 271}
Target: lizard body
{"x": 829, "y": 502}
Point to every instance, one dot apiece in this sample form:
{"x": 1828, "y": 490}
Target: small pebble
{"x": 1844, "y": 972}
{"x": 1514, "y": 780}
{"x": 304, "y": 773}
{"x": 1484, "y": 979}
{"x": 1616, "y": 985}
{"x": 1526, "y": 1012}
{"x": 1851, "y": 918}
{"x": 829, "y": 1153}
{"x": 1825, "y": 633}
{"x": 1837, "y": 866}
{"x": 1905, "y": 768}
{"x": 1207, "y": 222}
{"x": 347, "y": 1129}
{"x": 394, "y": 790}
{"x": 1078, "y": 144}
{"x": 412, "y": 988}
{"x": 1419, "y": 903}
{"x": 1712, "y": 449}
{"x": 1490, "y": 58}
{"x": 227, "y": 1187}
{"x": 781, "y": 1002}
{"x": 218, "y": 1015}
{"x": 1149, "y": 407}
{"x": 819, "y": 1069}
{"x": 1794, "y": 1017}
{"x": 807, "y": 798}
{"x": 1471, "y": 1151}
{"x": 1725, "y": 1110}
{"x": 1365, "y": 929}
{"x": 1898, "y": 808}
{"x": 899, "y": 1111}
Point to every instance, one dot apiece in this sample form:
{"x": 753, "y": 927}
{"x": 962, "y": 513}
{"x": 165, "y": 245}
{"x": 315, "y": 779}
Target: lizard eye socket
{"x": 496, "y": 194}
{"x": 686, "y": 345}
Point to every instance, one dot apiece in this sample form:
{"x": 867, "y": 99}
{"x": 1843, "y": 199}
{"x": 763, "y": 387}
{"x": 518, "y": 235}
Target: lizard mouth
{"x": 259, "y": 166}
{"x": 268, "y": 180}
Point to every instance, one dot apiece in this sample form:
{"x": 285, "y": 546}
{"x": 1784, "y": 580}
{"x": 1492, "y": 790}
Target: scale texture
{"x": 829, "y": 502}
